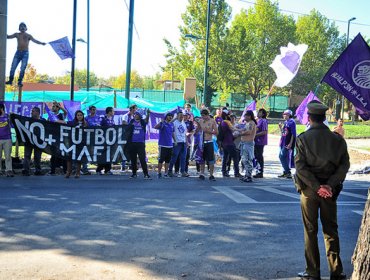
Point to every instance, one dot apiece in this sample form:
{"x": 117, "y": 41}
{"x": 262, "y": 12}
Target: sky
{"x": 48, "y": 20}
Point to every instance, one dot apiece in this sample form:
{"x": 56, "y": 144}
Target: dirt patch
{"x": 358, "y": 158}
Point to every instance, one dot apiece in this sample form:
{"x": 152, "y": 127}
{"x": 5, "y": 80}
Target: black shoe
{"x": 341, "y": 276}
{"x": 288, "y": 175}
{"x": 9, "y": 82}
{"x": 38, "y": 173}
{"x": 226, "y": 175}
{"x": 133, "y": 176}
{"x": 212, "y": 178}
{"x": 282, "y": 175}
{"x": 258, "y": 175}
{"x": 304, "y": 275}
{"x": 238, "y": 175}
{"x": 20, "y": 84}
{"x": 202, "y": 177}
{"x": 147, "y": 177}
{"x": 25, "y": 173}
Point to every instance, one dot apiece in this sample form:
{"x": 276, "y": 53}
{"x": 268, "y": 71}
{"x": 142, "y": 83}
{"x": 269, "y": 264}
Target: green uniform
{"x": 322, "y": 159}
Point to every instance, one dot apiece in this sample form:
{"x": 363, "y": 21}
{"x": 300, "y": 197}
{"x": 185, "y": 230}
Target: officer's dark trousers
{"x": 312, "y": 205}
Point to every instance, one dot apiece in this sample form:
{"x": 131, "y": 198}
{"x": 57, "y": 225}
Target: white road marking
{"x": 234, "y": 195}
{"x": 353, "y": 195}
{"x": 289, "y": 194}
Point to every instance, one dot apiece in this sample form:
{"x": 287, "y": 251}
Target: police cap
{"x": 316, "y": 108}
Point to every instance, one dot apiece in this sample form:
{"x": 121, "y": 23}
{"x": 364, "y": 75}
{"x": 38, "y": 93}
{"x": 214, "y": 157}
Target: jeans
{"x": 247, "y": 155}
{"x": 284, "y": 157}
{"x": 6, "y": 145}
{"x": 179, "y": 150}
{"x": 19, "y": 56}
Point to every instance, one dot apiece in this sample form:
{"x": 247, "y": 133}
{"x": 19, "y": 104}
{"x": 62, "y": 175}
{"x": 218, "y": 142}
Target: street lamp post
{"x": 88, "y": 62}
{"x": 191, "y": 36}
{"x": 349, "y": 22}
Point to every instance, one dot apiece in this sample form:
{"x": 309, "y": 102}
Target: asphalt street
{"x": 113, "y": 227}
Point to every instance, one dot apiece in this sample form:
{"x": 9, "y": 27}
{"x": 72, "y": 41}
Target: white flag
{"x": 287, "y": 63}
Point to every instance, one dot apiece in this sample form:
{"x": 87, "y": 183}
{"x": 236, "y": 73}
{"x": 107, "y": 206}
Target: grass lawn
{"x": 351, "y": 131}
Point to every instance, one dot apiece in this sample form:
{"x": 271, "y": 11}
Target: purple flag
{"x": 251, "y": 106}
{"x": 62, "y": 47}
{"x": 350, "y": 75}
{"x": 301, "y": 111}
{"x": 71, "y": 107}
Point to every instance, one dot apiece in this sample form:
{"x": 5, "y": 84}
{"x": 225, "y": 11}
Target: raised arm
{"x": 36, "y": 41}
{"x": 11, "y": 36}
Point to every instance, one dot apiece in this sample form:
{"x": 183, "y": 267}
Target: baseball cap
{"x": 288, "y": 112}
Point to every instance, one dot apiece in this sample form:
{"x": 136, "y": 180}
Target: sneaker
{"x": 226, "y": 175}
{"x": 159, "y": 175}
{"x": 99, "y": 173}
{"x": 258, "y": 175}
{"x": 109, "y": 173}
{"x": 9, "y": 82}
{"x": 238, "y": 175}
{"x": 133, "y": 176}
{"x": 212, "y": 178}
{"x": 25, "y": 173}
{"x": 246, "y": 179}
{"x": 86, "y": 173}
{"x": 165, "y": 176}
{"x": 147, "y": 177}
{"x": 282, "y": 175}
{"x": 201, "y": 176}
{"x": 185, "y": 174}
{"x": 176, "y": 174}
{"x": 288, "y": 176}
{"x": 170, "y": 174}
{"x": 20, "y": 84}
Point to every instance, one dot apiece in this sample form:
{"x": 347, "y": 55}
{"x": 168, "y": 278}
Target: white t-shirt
{"x": 126, "y": 118}
{"x": 180, "y": 131}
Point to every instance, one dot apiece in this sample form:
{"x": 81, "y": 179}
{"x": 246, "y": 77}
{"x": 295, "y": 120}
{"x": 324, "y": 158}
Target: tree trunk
{"x": 361, "y": 255}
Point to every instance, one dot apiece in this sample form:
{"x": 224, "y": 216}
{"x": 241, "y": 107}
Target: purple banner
{"x": 62, "y": 47}
{"x": 350, "y": 74}
{"x": 251, "y": 106}
{"x": 154, "y": 118}
{"x": 301, "y": 111}
{"x": 21, "y": 108}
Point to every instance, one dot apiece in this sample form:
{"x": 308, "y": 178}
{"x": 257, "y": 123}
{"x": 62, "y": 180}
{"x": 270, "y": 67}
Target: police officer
{"x": 322, "y": 163}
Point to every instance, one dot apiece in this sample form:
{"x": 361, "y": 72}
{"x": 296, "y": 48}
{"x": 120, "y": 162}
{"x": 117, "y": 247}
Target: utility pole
{"x": 3, "y": 22}
{"x": 129, "y": 50}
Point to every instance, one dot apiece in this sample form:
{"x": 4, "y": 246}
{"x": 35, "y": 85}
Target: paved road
{"x": 113, "y": 227}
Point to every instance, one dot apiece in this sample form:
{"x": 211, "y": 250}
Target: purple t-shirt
{"x": 218, "y": 120}
{"x": 138, "y": 133}
{"x": 5, "y": 133}
{"x": 165, "y": 134}
{"x": 289, "y": 131}
{"x": 262, "y": 125}
{"x": 228, "y": 134}
{"x": 107, "y": 121}
{"x": 55, "y": 117}
{"x": 93, "y": 120}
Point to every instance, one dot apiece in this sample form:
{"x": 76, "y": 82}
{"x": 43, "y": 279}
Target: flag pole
{"x": 268, "y": 94}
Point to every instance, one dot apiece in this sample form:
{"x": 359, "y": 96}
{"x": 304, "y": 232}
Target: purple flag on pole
{"x": 251, "y": 106}
{"x": 71, "y": 107}
{"x": 62, "y": 47}
{"x": 350, "y": 75}
{"x": 301, "y": 111}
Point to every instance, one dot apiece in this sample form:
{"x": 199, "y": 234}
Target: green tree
{"x": 135, "y": 82}
{"x": 254, "y": 39}
{"x": 188, "y": 60}
{"x": 80, "y": 78}
{"x": 324, "y": 46}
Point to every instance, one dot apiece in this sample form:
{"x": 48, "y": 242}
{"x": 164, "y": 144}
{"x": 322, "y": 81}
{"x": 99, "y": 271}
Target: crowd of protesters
{"x": 183, "y": 138}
